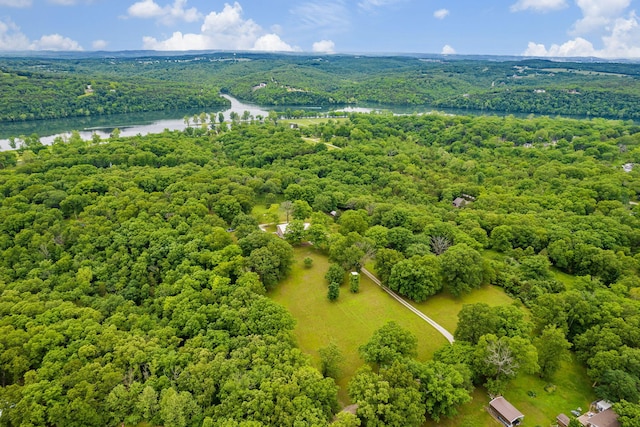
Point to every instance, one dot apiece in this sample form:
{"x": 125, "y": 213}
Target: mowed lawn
{"x": 540, "y": 404}
{"x": 348, "y": 322}
{"x": 444, "y": 307}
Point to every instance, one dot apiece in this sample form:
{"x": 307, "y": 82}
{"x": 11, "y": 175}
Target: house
{"x": 505, "y": 412}
{"x": 281, "y": 229}
{"x": 606, "y": 418}
{"x": 563, "y": 420}
{"x": 459, "y": 202}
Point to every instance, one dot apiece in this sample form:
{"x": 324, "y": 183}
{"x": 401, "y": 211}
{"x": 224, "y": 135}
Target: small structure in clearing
{"x": 505, "y": 412}
{"x": 281, "y": 229}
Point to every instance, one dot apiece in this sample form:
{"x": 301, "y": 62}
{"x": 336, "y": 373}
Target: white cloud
{"x": 167, "y": 15}
{"x": 538, "y": 5}
{"x": 99, "y": 44}
{"x": 271, "y": 43}
{"x": 324, "y": 46}
{"x": 576, "y": 47}
{"x": 597, "y": 14}
{"x": 223, "y": 30}
{"x": 371, "y": 4}
{"x": 71, "y": 2}
{"x": 11, "y": 38}
{"x": 441, "y": 13}
{"x": 448, "y": 50}
{"x": 325, "y": 17}
{"x": 55, "y": 42}
{"x": 15, "y": 3}
{"x": 621, "y": 41}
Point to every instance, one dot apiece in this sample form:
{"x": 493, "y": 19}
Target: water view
{"x": 132, "y": 124}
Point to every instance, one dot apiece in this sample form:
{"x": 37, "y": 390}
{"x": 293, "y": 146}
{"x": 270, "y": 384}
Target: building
{"x": 606, "y": 418}
{"x": 505, "y": 412}
{"x": 459, "y": 202}
{"x": 563, "y": 420}
{"x": 281, "y": 229}
{"x": 603, "y": 417}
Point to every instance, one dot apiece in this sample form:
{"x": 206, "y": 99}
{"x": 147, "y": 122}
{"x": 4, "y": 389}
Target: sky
{"x": 556, "y": 28}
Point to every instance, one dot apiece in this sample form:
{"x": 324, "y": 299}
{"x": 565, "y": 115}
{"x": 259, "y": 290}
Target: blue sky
{"x": 603, "y": 28}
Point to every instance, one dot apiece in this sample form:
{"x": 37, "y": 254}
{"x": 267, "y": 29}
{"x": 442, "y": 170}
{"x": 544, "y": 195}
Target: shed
{"x": 505, "y": 412}
{"x": 459, "y": 202}
{"x": 563, "y": 420}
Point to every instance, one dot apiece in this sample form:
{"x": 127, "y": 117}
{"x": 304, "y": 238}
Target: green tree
{"x": 443, "y": 387}
{"x": 330, "y": 359}
{"x": 335, "y": 274}
{"x": 462, "y": 269}
{"x": 334, "y": 291}
{"x": 389, "y": 343}
{"x": 301, "y": 210}
{"x": 617, "y": 385}
{"x": 416, "y": 278}
{"x": 628, "y": 413}
{"x": 354, "y": 221}
{"x": 389, "y": 399}
{"x": 354, "y": 282}
{"x": 553, "y": 349}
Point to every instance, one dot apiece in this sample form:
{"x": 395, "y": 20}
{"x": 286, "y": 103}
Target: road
{"x": 402, "y": 301}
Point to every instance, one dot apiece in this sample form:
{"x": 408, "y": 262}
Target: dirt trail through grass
{"x": 401, "y": 300}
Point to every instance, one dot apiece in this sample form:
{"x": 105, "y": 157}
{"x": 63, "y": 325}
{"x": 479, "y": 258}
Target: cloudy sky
{"x": 603, "y": 28}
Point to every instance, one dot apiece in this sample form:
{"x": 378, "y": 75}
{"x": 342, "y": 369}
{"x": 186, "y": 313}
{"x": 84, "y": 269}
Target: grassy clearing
{"x": 444, "y": 307}
{"x": 562, "y": 277}
{"x": 313, "y": 121}
{"x": 350, "y": 321}
{"x": 569, "y": 390}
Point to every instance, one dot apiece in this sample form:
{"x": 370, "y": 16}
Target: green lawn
{"x": 350, "y": 321}
{"x": 572, "y": 390}
{"x": 444, "y": 307}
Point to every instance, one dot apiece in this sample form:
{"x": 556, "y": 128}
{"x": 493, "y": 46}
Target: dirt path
{"x": 401, "y": 300}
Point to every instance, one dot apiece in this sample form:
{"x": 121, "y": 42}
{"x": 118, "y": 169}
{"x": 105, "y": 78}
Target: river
{"x": 157, "y": 121}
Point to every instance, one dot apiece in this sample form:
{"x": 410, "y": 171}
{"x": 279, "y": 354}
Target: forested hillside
{"x": 125, "y": 297}
{"x": 28, "y": 95}
{"x": 125, "y": 83}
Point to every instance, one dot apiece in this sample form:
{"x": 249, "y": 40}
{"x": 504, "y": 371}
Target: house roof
{"x": 606, "y": 418}
{"x": 506, "y": 409}
{"x": 563, "y": 419}
{"x": 459, "y": 201}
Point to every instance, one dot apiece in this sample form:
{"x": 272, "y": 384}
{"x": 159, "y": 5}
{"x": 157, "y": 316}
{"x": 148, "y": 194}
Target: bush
{"x": 334, "y": 291}
{"x": 335, "y": 274}
{"x": 308, "y": 262}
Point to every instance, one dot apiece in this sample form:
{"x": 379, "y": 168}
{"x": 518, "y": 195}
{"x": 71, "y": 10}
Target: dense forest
{"x": 36, "y": 95}
{"x": 134, "y": 278}
{"x": 40, "y": 88}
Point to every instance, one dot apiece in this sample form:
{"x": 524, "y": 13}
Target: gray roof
{"x": 606, "y": 418}
{"x": 506, "y": 409}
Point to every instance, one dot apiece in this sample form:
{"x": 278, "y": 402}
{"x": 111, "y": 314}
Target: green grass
{"x": 350, "y": 321}
{"x": 567, "y": 279}
{"x": 313, "y": 121}
{"x": 572, "y": 390}
{"x": 444, "y": 307}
